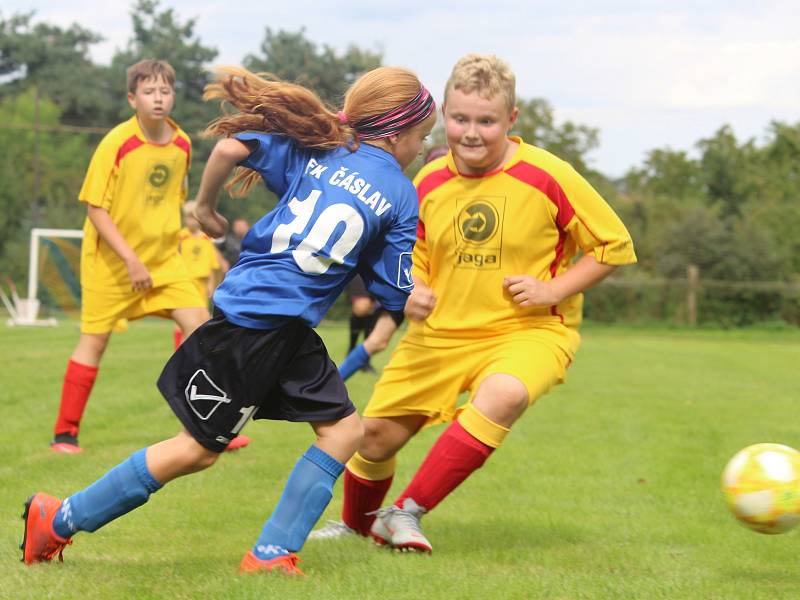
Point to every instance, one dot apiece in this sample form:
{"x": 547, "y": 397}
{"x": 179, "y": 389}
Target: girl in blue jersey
{"x": 344, "y": 207}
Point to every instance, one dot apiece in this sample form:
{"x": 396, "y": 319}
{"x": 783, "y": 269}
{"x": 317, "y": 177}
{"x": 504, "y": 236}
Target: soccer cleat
{"x": 400, "y": 527}
{"x": 240, "y": 441}
{"x": 39, "y": 542}
{"x": 65, "y": 443}
{"x": 286, "y": 563}
{"x": 333, "y": 530}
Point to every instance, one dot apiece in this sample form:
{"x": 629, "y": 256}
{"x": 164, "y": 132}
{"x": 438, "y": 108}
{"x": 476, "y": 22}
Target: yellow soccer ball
{"x": 761, "y": 484}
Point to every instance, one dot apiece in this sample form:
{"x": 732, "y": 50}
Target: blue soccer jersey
{"x": 339, "y": 213}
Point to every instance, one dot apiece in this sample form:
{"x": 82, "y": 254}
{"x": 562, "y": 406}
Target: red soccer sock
{"x": 362, "y": 496}
{"x": 78, "y": 382}
{"x": 453, "y": 458}
{"x": 177, "y": 337}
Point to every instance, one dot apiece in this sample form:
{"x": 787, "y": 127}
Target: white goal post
{"x": 25, "y": 311}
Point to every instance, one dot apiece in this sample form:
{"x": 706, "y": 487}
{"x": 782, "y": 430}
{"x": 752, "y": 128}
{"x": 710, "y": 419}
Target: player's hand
{"x": 211, "y": 222}
{"x": 420, "y": 303}
{"x": 139, "y": 275}
{"x": 529, "y": 291}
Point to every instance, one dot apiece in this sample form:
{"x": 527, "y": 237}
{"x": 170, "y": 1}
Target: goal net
{"x": 53, "y": 277}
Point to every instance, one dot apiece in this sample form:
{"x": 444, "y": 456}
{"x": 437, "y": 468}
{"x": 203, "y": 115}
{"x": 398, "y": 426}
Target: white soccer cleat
{"x": 400, "y": 527}
{"x": 332, "y": 531}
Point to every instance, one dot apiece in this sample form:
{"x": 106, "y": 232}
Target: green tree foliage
{"x": 62, "y": 161}
{"x": 293, "y": 57}
{"x": 569, "y": 141}
{"x": 57, "y": 62}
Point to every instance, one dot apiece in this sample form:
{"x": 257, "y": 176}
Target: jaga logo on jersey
{"x": 478, "y": 227}
{"x": 404, "y": 265}
{"x": 158, "y": 174}
{"x": 203, "y": 395}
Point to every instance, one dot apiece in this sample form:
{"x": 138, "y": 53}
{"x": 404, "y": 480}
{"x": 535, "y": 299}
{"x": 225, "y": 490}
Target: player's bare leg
{"x": 501, "y": 398}
{"x": 90, "y": 348}
{"x": 178, "y": 456}
{"x": 189, "y": 319}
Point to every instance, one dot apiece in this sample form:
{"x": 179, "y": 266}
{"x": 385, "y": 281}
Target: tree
{"x": 292, "y": 57}
{"x": 569, "y": 141}
{"x": 725, "y": 166}
{"x": 56, "y": 62}
{"x": 61, "y": 172}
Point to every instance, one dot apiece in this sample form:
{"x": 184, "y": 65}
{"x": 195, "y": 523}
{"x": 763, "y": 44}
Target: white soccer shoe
{"x": 332, "y": 531}
{"x": 400, "y": 527}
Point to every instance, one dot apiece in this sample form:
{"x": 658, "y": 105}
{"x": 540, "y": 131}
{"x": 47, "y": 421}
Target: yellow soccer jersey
{"x": 199, "y": 254}
{"x": 142, "y": 185}
{"x": 531, "y": 217}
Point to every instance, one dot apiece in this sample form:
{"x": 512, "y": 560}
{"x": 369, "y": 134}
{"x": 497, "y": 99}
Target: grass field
{"x": 608, "y": 488}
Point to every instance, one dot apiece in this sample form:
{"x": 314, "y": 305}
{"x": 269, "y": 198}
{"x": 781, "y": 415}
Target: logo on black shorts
{"x": 203, "y": 395}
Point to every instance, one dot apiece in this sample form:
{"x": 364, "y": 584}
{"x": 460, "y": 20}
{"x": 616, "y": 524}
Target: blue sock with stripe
{"x": 304, "y": 498}
{"x": 123, "y": 488}
{"x": 357, "y": 358}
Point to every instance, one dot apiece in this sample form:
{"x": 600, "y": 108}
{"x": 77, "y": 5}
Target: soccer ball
{"x": 761, "y": 484}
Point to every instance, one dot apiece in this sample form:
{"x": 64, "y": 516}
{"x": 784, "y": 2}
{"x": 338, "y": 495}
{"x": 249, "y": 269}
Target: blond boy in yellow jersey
{"x": 509, "y": 236}
{"x": 130, "y": 265}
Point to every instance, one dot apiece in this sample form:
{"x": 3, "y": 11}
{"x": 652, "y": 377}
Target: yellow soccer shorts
{"x": 421, "y": 379}
{"x": 100, "y": 311}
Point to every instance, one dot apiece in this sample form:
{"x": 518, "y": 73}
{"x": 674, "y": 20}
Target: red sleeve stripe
{"x": 429, "y": 183}
{"x": 432, "y": 181}
{"x": 129, "y": 145}
{"x": 184, "y": 145}
{"x": 547, "y": 184}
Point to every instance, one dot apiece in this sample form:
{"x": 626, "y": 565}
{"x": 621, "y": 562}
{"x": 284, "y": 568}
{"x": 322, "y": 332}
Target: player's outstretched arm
{"x": 530, "y": 291}
{"x": 224, "y": 157}
{"x": 138, "y": 273}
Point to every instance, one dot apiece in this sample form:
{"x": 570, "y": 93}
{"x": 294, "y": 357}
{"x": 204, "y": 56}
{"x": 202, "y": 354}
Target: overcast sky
{"x": 647, "y": 74}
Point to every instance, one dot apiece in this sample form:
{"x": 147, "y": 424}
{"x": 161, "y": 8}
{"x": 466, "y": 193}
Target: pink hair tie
{"x": 342, "y": 117}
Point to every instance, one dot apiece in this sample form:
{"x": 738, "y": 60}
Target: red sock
{"x": 453, "y": 458}
{"x": 362, "y": 496}
{"x": 78, "y": 382}
{"x": 177, "y": 337}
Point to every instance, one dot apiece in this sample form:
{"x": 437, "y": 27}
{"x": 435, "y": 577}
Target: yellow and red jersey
{"x": 199, "y": 254}
{"x": 530, "y": 217}
{"x": 142, "y": 185}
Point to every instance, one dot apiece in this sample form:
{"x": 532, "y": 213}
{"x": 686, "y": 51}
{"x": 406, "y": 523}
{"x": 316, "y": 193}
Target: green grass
{"x": 608, "y": 488}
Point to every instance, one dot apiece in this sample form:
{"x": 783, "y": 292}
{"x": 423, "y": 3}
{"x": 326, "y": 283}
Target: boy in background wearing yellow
{"x": 202, "y": 258}
{"x": 130, "y": 265}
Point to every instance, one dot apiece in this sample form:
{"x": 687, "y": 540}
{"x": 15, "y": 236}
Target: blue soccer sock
{"x": 123, "y": 488}
{"x": 357, "y": 358}
{"x": 304, "y": 498}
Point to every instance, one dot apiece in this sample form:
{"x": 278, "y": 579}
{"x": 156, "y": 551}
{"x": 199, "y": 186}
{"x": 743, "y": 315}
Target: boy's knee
{"x": 352, "y": 432}
{"x": 376, "y": 445}
{"x": 380, "y": 345}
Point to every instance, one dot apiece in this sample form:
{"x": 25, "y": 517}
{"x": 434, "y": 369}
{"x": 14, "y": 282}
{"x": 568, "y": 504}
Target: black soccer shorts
{"x": 224, "y": 374}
